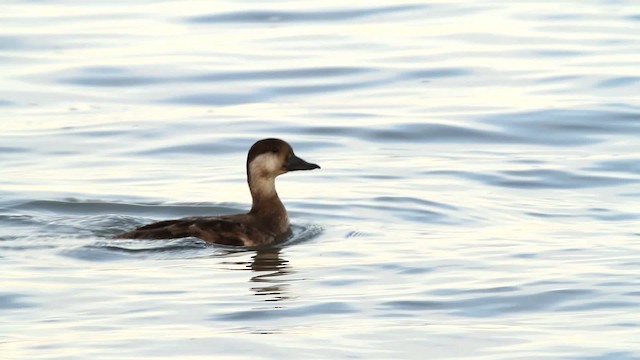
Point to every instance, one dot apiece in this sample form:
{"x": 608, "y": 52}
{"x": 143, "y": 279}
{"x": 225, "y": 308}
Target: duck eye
{"x": 275, "y": 150}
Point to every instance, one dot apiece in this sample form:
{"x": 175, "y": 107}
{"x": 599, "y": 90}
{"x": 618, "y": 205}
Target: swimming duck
{"x": 266, "y": 222}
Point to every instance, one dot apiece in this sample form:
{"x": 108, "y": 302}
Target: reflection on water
{"x": 268, "y": 266}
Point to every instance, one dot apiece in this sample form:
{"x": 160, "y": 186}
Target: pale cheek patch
{"x": 263, "y": 170}
{"x": 266, "y": 165}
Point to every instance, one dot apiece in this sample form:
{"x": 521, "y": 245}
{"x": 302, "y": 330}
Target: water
{"x": 478, "y": 196}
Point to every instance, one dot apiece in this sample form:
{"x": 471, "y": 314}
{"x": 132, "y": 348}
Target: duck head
{"x": 269, "y": 158}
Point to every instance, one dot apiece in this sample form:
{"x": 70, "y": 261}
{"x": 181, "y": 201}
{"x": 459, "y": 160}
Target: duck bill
{"x": 295, "y": 163}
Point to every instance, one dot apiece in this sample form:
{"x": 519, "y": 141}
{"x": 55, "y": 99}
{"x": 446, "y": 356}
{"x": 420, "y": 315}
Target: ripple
{"x": 13, "y": 43}
{"x": 597, "y": 305}
{"x": 630, "y": 166}
{"x": 413, "y": 200}
{"x": 557, "y": 79}
{"x": 302, "y": 233}
{"x": 557, "y": 53}
{"x": 110, "y": 76}
{"x": 194, "y": 147}
{"x": 490, "y": 306}
{"x": 409, "y": 208}
{"x": 77, "y": 207}
{"x": 346, "y": 78}
{"x": 318, "y": 309}
{"x": 281, "y": 74}
{"x": 13, "y": 301}
{"x": 411, "y": 132}
{"x": 322, "y": 88}
{"x": 268, "y": 93}
{"x": 619, "y": 82}
{"x": 566, "y": 127}
{"x": 538, "y": 179}
{"x": 108, "y": 250}
{"x": 22, "y": 220}
{"x": 617, "y": 355}
{"x": 111, "y": 80}
{"x": 300, "y": 16}
{"x": 436, "y": 73}
{"x": 217, "y": 98}
{"x": 390, "y": 208}
{"x": 48, "y": 42}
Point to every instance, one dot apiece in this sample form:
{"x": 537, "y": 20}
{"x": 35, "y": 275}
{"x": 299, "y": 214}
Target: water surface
{"x": 478, "y": 196}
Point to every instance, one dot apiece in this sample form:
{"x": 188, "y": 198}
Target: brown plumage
{"x": 266, "y": 222}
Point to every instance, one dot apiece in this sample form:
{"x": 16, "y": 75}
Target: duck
{"x": 266, "y": 222}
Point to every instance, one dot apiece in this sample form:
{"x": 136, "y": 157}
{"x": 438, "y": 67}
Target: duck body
{"x": 234, "y": 230}
{"x": 265, "y": 223}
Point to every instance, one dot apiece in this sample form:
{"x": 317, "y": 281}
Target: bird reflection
{"x": 268, "y": 266}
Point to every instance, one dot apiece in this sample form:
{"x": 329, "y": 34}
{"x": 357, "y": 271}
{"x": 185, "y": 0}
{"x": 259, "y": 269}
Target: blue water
{"x": 478, "y": 197}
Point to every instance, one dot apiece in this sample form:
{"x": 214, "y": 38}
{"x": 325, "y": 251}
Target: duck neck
{"x": 266, "y": 202}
